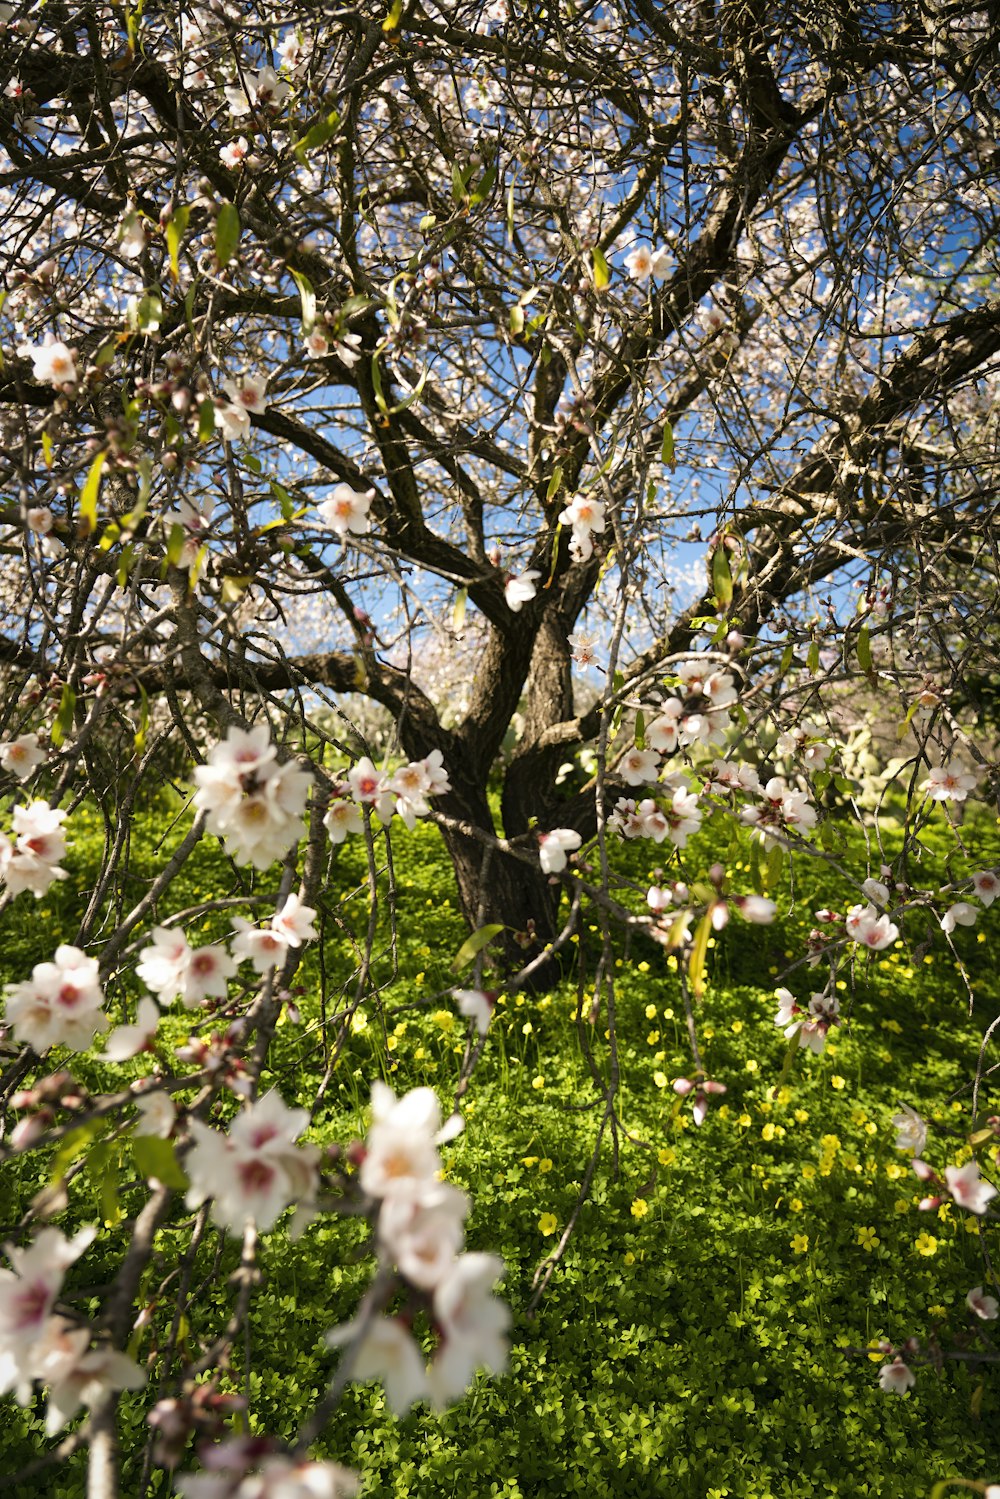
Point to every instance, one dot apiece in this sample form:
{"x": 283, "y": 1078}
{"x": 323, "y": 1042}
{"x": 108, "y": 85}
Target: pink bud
{"x": 922, "y": 1171}
{"x": 683, "y": 1086}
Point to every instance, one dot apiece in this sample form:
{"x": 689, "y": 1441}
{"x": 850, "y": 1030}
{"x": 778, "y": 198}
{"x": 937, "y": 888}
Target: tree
{"x": 599, "y": 335}
{"x": 406, "y": 244}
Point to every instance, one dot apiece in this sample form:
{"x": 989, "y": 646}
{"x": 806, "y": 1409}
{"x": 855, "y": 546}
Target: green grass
{"x": 692, "y": 1340}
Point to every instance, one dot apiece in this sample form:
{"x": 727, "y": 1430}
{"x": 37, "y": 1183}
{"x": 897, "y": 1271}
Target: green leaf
{"x": 176, "y": 230}
{"x": 516, "y": 320}
{"x": 253, "y": 463}
{"x": 70, "y": 1146}
{"x": 640, "y": 730}
{"x": 206, "y": 420}
{"x": 146, "y": 312}
{"x": 774, "y": 865}
{"x": 756, "y": 878}
{"x": 156, "y": 1157}
{"x": 317, "y": 135}
{"x": 392, "y": 20}
{"x": 865, "y": 650}
{"x": 64, "y": 718}
{"x": 140, "y": 734}
{"x": 88, "y": 496}
{"x": 475, "y": 944}
{"x": 175, "y": 544}
{"x": 125, "y": 564}
{"x": 377, "y": 386}
{"x": 667, "y": 449}
{"x": 485, "y": 187}
{"x": 227, "y": 233}
{"x": 458, "y": 613}
{"x": 554, "y": 482}
{"x": 602, "y": 271}
{"x": 722, "y": 577}
{"x": 699, "y": 950}
{"x": 308, "y": 297}
{"x": 812, "y": 660}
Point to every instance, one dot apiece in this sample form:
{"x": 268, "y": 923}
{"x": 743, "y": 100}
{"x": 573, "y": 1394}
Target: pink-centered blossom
{"x": 554, "y": 848}
{"x": 896, "y": 1378}
{"x": 986, "y": 884}
{"x": 60, "y": 1005}
{"x": 53, "y": 363}
{"x": 256, "y": 1170}
{"x": 948, "y": 783}
{"x": 986, "y": 1308}
{"x": 968, "y": 1188}
{"x": 129, "y": 1040}
{"x": 347, "y": 510}
{"x": 960, "y": 914}
{"x": 254, "y": 804}
{"x": 520, "y": 589}
{"x": 20, "y": 756}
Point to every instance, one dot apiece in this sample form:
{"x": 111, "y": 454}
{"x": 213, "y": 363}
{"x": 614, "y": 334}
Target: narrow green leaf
{"x": 812, "y": 660}
{"x": 377, "y": 386}
{"x": 392, "y": 20}
{"x": 554, "y": 482}
{"x": 773, "y": 868}
{"x": 317, "y": 135}
{"x": 756, "y": 878}
{"x": 458, "y": 613}
{"x": 206, "y": 420}
{"x": 475, "y": 944}
{"x": 175, "y": 544}
{"x": 176, "y": 230}
{"x": 640, "y": 730}
{"x": 308, "y": 297}
{"x": 516, "y": 320}
{"x": 227, "y": 233}
{"x": 142, "y": 730}
{"x": 667, "y": 448}
{"x": 865, "y": 650}
{"x": 156, "y": 1157}
{"x": 699, "y": 950}
{"x": 602, "y": 271}
{"x": 88, "y": 497}
{"x": 64, "y": 718}
{"x": 722, "y": 577}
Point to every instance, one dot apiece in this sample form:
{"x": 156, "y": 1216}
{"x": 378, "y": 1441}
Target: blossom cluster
{"x": 30, "y": 860}
{"x": 251, "y": 802}
{"x": 37, "y": 1344}
{"x": 252, "y": 1173}
{"x": 403, "y": 793}
{"x": 420, "y": 1234}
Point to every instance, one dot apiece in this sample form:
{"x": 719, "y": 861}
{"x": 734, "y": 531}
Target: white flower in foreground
{"x": 235, "y": 153}
{"x": 520, "y": 589}
{"x": 896, "y": 1378}
{"x": 987, "y": 1308}
{"x": 40, "y": 520}
{"x": 960, "y": 914}
{"x": 263, "y": 90}
{"x": 60, "y": 1005}
{"x": 474, "y": 1324}
{"x": 400, "y": 1149}
{"x": 157, "y": 1114}
{"x": 987, "y": 886}
{"x": 32, "y": 862}
{"x": 234, "y": 422}
{"x": 248, "y": 392}
{"x": 967, "y": 1187}
{"x": 255, "y": 1171}
{"x": 911, "y": 1131}
{"x": 129, "y": 1040}
{"x": 21, "y": 755}
{"x": 948, "y": 783}
{"x": 52, "y": 363}
{"x": 163, "y": 965}
{"x": 639, "y": 767}
{"x": 294, "y": 922}
{"x": 476, "y": 1005}
{"x": 279, "y": 1477}
{"x": 755, "y": 908}
{"x": 865, "y": 925}
{"x": 877, "y": 893}
{"x": 27, "y": 1295}
{"x": 421, "y": 1233}
{"x": 387, "y": 1352}
{"x": 342, "y": 818}
{"x": 257, "y": 945}
{"x": 812, "y": 1022}
{"x": 346, "y": 511}
{"x": 77, "y": 1375}
{"x": 639, "y": 263}
{"x": 554, "y": 846}
{"x": 252, "y": 803}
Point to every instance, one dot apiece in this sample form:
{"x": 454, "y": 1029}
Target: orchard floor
{"x": 694, "y": 1339}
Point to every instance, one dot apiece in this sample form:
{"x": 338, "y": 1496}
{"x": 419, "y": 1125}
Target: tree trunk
{"x": 494, "y": 887}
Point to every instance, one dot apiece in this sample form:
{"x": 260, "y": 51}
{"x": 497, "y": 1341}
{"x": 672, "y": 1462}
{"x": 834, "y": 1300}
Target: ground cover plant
{"x": 701, "y": 1334}
{"x": 564, "y": 436}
